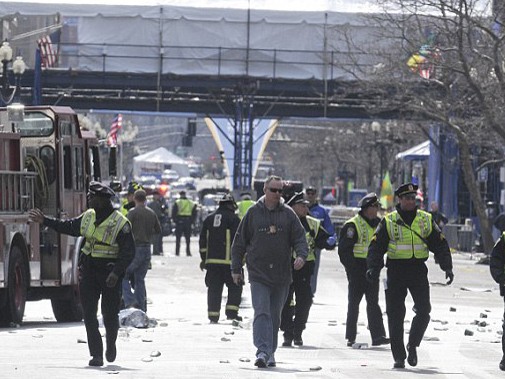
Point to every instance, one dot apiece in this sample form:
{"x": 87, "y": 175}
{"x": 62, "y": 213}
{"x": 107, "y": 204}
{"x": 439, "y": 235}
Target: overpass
{"x": 238, "y": 64}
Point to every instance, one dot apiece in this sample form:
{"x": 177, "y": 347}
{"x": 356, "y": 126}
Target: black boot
{"x": 298, "y": 339}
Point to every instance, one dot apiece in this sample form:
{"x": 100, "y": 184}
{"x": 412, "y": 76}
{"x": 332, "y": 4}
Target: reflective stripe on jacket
{"x": 101, "y": 239}
{"x": 404, "y": 243}
{"x": 364, "y": 233}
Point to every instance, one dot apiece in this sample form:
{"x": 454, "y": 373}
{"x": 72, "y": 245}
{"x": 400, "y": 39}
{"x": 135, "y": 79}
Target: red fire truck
{"x": 46, "y": 161}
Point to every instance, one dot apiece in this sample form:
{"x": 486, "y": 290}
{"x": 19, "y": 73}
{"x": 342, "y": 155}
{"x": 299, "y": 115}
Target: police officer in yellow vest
{"x": 128, "y": 203}
{"x": 183, "y": 214}
{"x": 353, "y": 245}
{"x": 244, "y": 204}
{"x": 497, "y": 268}
{"x": 297, "y": 306}
{"x": 108, "y": 249}
{"x": 407, "y": 235}
{"x": 216, "y": 237}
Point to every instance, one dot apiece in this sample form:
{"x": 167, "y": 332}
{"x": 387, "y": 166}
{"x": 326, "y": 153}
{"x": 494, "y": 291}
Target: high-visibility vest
{"x": 311, "y": 240}
{"x": 101, "y": 239}
{"x": 365, "y": 233}
{"x": 405, "y": 243}
{"x": 184, "y": 207}
{"x": 243, "y": 206}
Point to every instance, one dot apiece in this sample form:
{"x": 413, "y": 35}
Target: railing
{"x": 204, "y": 60}
{"x": 16, "y": 191}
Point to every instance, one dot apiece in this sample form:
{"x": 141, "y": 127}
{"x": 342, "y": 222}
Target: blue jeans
{"x": 138, "y": 268}
{"x": 267, "y": 303}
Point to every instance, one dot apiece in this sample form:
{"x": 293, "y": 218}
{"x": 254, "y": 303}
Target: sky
{"x": 293, "y": 5}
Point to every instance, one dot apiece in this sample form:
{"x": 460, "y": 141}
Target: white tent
{"x": 417, "y": 153}
{"x": 156, "y": 161}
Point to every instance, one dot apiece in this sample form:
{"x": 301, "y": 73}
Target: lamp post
{"x": 8, "y": 92}
{"x": 380, "y": 144}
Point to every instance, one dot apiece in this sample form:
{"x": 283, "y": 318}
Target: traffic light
{"x": 187, "y": 141}
{"x": 191, "y": 131}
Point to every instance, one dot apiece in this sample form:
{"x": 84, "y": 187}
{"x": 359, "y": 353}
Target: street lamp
{"x": 8, "y": 92}
{"x": 380, "y": 145}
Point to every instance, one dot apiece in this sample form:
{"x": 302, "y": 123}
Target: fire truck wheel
{"x": 14, "y": 308}
{"x": 68, "y": 309}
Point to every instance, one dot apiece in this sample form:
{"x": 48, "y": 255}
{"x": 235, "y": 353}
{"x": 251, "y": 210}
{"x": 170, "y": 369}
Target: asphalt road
{"x": 185, "y": 345}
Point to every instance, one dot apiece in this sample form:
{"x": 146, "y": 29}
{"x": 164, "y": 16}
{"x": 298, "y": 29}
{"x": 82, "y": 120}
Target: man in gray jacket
{"x": 268, "y": 233}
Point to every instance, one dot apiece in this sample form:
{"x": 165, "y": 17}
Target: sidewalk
{"x": 189, "y": 347}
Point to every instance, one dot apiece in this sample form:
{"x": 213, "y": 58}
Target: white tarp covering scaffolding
{"x": 203, "y": 41}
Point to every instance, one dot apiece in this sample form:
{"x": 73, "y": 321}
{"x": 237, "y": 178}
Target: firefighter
{"x": 183, "y": 215}
{"x": 244, "y": 204}
{"x": 353, "y": 244}
{"x": 407, "y": 235}
{"x": 295, "y": 313}
{"x": 108, "y": 249}
{"x": 216, "y": 237}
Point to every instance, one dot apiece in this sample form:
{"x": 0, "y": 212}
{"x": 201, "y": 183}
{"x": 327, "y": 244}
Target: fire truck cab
{"x": 47, "y": 162}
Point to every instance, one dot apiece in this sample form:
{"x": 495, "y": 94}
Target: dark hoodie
{"x": 268, "y": 237}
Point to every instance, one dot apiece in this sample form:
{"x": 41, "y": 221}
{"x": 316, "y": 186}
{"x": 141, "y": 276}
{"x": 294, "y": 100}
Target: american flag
{"x": 117, "y": 123}
{"x": 48, "y": 51}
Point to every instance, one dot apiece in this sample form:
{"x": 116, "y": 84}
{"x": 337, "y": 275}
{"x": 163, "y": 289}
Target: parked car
{"x": 169, "y": 176}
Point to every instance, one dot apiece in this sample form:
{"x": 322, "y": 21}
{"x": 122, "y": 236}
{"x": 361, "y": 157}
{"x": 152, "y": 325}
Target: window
{"x": 67, "y": 167}
{"x": 35, "y": 124}
{"x": 47, "y": 156}
{"x": 79, "y": 169}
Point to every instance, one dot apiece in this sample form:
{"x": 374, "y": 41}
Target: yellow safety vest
{"x": 365, "y": 233}
{"x": 123, "y": 210}
{"x": 311, "y": 241}
{"x": 184, "y": 207}
{"x": 101, "y": 239}
{"x": 243, "y": 206}
{"x": 405, "y": 243}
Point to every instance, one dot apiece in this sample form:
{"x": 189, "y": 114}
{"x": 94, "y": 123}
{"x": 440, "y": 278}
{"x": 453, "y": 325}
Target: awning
{"x": 416, "y": 153}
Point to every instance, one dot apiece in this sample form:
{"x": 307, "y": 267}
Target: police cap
{"x": 310, "y": 189}
{"x": 133, "y": 186}
{"x": 406, "y": 189}
{"x": 368, "y": 200}
{"x": 297, "y": 198}
{"x": 100, "y": 189}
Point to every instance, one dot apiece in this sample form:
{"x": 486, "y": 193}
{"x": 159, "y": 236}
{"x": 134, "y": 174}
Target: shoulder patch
{"x": 126, "y": 228}
{"x": 350, "y": 232}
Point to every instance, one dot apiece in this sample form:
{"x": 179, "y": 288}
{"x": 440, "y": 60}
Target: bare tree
{"x": 438, "y": 60}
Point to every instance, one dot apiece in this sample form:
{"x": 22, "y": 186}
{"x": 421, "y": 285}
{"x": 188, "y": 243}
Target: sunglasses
{"x": 275, "y": 190}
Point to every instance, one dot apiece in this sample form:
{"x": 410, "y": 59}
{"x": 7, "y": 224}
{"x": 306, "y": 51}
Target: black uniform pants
{"x": 295, "y": 314}
{"x": 400, "y": 278}
{"x": 94, "y": 272}
{"x": 357, "y": 287}
{"x": 182, "y": 227}
{"x": 217, "y": 276}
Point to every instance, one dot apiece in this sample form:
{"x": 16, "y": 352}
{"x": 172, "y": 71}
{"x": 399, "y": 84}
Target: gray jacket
{"x": 268, "y": 237}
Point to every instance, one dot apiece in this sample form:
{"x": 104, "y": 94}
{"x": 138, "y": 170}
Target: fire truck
{"x": 47, "y": 162}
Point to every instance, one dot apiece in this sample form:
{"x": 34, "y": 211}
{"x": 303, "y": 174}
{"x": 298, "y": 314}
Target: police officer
{"x": 128, "y": 203}
{"x": 296, "y": 313}
{"x": 216, "y": 236}
{"x": 244, "y": 204}
{"x": 319, "y": 212}
{"x": 407, "y": 235}
{"x": 183, "y": 214}
{"x": 496, "y": 266}
{"x": 353, "y": 245}
{"x": 108, "y": 249}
